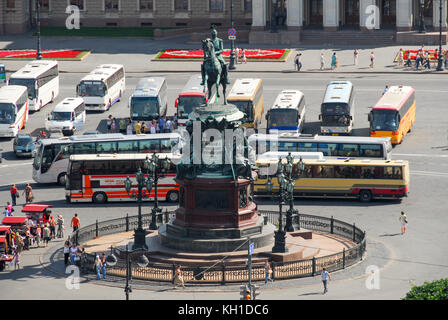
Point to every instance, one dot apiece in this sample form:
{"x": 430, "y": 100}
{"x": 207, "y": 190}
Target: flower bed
{"x": 413, "y": 55}
{"x": 251, "y": 54}
{"x": 46, "y": 54}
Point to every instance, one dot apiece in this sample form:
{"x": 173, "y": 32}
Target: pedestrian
{"x": 28, "y": 193}
{"x": 427, "y": 63}
{"x": 299, "y": 64}
{"x": 385, "y": 89}
{"x": 243, "y": 56}
{"x": 268, "y": 273}
{"x": 73, "y": 254}
{"x": 325, "y": 277}
{"x": 355, "y": 57}
{"x": 162, "y": 124}
{"x": 52, "y": 228}
{"x": 66, "y": 252}
{"x": 403, "y": 221}
{"x": 143, "y": 128}
{"x": 129, "y": 127}
{"x": 322, "y": 61}
{"x": 408, "y": 61}
{"x": 372, "y": 59}
{"x": 75, "y": 223}
{"x": 237, "y": 55}
{"x": 46, "y": 235}
{"x": 60, "y": 223}
{"x": 418, "y": 60}
{"x": 6, "y": 212}
{"x": 10, "y": 209}
{"x": 400, "y": 57}
{"x": 14, "y": 194}
{"x": 333, "y": 61}
{"x": 175, "y": 122}
{"x": 137, "y": 127}
{"x": 38, "y": 236}
{"x": 178, "y": 277}
{"x": 296, "y": 62}
{"x": 284, "y": 14}
{"x": 122, "y": 126}
{"x": 103, "y": 265}
{"x": 446, "y": 59}
{"x": 153, "y": 127}
{"x": 98, "y": 265}
{"x": 169, "y": 125}
{"x": 109, "y": 123}
{"x": 16, "y": 259}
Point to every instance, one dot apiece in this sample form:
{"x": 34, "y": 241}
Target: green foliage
{"x": 436, "y": 290}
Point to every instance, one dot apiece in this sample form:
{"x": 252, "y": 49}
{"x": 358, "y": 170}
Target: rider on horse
{"x": 219, "y": 48}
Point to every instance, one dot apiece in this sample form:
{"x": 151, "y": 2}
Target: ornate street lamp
{"x": 39, "y": 55}
{"x": 273, "y": 24}
{"x": 440, "y": 57}
{"x": 422, "y": 17}
{"x": 232, "y": 50}
{"x": 142, "y": 262}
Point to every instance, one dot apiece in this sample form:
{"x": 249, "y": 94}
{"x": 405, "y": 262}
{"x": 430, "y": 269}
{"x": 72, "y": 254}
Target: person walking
{"x": 28, "y": 193}
{"x": 60, "y": 223}
{"x": 400, "y": 57}
{"x": 169, "y": 125}
{"x": 268, "y": 273}
{"x": 418, "y": 60}
{"x": 243, "y": 56}
{"x": 385, "y": 89}
{"x": 296, "y": 62}
{"x": 325, "y": 277}
{"x": 52, "y": 228}
{"x": 46, "y": 235}
{"x": 122, "y": 126}
{"x": 372, "y": 59}
{"x": 178, "y": 277}
{"x": 322, "y": 61}
{"x": 10, "y": 209}
{"x": 16, "y": 259}
{"x": 73, "y": 254}
{"x": 75, "y": 223}
{"x": 98, "y": 265}
{"x": 66, "y": 252}
{"x": 334, "y": 61}
{"x": 403, "y": 221}
{"x": 14, "y": 194}
{"x": 355, "y": 57}
{"x": 6, "y": 212}
{"x": 103, "y": 265}
{"x": 162, "y": 124}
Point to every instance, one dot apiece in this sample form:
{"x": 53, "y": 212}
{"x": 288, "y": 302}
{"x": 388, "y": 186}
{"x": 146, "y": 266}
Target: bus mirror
{"x": 176, "y": 103}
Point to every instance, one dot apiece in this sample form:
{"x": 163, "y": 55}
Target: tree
{"x": 436, "y": 290}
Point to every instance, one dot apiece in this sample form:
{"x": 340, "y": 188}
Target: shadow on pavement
{"x": 390, "y": 234}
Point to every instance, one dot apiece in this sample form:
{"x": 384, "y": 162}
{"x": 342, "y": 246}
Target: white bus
{"x": 102, "y": 87}
{"x": 101, "y": 178}
{"x": 288, "y": 112}
{"x": 330, "y": 146}
{"x": 51, "y": 161}
{"x": 41, "y": 77}
{"x": 67, "y": 117}
{"x": 13, "y": 110}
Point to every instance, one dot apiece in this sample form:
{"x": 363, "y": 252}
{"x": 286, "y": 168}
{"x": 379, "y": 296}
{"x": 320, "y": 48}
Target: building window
{"x": 247, "y": 5}
{"x": 78, "y": 3}
{"x": 216, "y": 5}
{"x": 146, "y": 5}
{"x": 111, "y": 5}
{"x": 181, "y": 5}
{"x": 10, "y": 4}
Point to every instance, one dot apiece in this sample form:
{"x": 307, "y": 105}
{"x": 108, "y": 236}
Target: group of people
{"x": 334, "y": 64}
{"x": 125, "y": 126}
{"x": 422, "y": 58}
{"x": 28, "y": 192}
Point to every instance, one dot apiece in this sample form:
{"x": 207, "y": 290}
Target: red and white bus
{"x": 100, "y": 178}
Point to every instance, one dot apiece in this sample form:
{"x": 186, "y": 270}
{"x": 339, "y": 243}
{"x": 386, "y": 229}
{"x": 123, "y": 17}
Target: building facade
{"x": 17, "y": 16}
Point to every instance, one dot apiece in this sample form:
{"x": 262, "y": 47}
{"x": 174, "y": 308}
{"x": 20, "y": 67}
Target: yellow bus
{"x": 247, "y": 95}
{"x": 394, "y": 114}
{"x": 334, "y": 178}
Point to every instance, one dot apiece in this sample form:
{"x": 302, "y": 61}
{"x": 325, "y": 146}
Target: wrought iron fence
{"x": 223, "y": 273}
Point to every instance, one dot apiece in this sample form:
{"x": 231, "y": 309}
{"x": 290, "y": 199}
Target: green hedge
{"x": 436, "y": 290}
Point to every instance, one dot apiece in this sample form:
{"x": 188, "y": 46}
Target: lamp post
{"x": 440, "y": 57}
{"x": 422, "y": 17}
{"x": 273, "y": 9}
{"x": 290, "y": 177}
{"x": 232, "y": 48}
{"x": 39, "y": 55}
{"x": 141, "y": 262}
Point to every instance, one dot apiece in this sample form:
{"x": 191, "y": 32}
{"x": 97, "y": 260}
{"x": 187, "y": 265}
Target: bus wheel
{"x": 62, "y": 179}
{"x": 365, "y": 196}
{"x": 99, "y": 197}
{"x": 172, "y": 196}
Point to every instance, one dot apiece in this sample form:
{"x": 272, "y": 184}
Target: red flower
{"x": 199, "y": 54}
{"x": 45, "y": 53}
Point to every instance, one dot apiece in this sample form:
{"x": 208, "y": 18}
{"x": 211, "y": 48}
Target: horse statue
{"x": 213, "y": 71}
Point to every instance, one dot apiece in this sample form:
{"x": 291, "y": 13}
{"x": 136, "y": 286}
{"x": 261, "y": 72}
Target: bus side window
{"x": 327, "y": 171}
{"x": 379, "y": 172}
{"x": 287, "y": 146}
{"x": 308, "y": 172}
{"x": 307, "y": 147}
{"x": 371, "y": 150}
{"x": 349, "y": 150}
{"x": 397, "y": 173}
{"x": 388, "y": 172}
{"x": 367, "y": 173}
{"x": 144, "y": 146}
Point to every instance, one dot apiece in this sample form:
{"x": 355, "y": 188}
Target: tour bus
{"x": 13, "y": 110}
{"x": 288, "y": 112}
{"x": 100, "y": 178}
{"x": 192, "y": 96}
{"x": 149, "y": 100}
{"x": 272, "y": 155}
{"x": 51, "y": 161}
{"x": 247, "y": 95}
{"x": 338, "y": 108}
{"x": 102, "y": 87}
{"x": 394, "y": 114}
{"x": 41, "y": 77}
{"x": 67, "y": 117}
{"x": 2, "y": 73}
{"x": 334, "y": 178}
{"x": 330, "y": 146}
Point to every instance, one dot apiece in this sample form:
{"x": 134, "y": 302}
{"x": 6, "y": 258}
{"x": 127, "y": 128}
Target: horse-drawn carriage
{"x": 37, "y": 213}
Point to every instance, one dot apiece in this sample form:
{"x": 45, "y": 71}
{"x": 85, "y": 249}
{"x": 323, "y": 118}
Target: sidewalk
{"x": 137, "y": 55}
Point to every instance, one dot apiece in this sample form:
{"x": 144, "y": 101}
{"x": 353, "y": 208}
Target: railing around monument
{"x": 222, "y": 273}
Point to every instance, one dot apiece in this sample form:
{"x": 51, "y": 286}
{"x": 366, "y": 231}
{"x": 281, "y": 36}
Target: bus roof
{"x": 193, "y": 87}
{"x": 10, "y": 94}
{"x": 34, "y": 69}
{"x": 68, "y": 104}
{"x": 318, "y": 138}
{"x": 288, "y": 99}
{"x": 244, "y": 89}
{"x": 149, "y": 87}
{"x": 120, "y": 156}
{"x": 394, "y": 98}
{"x": 102, "y": 72}
{"x": 355, "y": 162}
{"x": 338, "y": 91}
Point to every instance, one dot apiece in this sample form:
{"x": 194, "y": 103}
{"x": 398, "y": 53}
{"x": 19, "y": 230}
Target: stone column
{"x": 259, "y": 15}
{"x": 404, "y": 15}
{"x": 369, "y": 15}
{"x": 294, "y": 18}
{"x": 436, "y": 14}
{"x": 331, "y": 15}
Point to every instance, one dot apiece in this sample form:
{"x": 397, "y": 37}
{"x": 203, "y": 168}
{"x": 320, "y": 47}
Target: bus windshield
{"x": 143, "y": 108}
{"x": 29, "y": 83}
{"x": 7, "y": 113}
{"x": 282, "y": 118}
{"x": 245, "y": 107}
{"x": 384, "y": 120}
{"x": 61, "y": 116}
{"x": 187, "y": 105}
{"x": 92, "y": 89}
{"x": 334, "y": 109}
